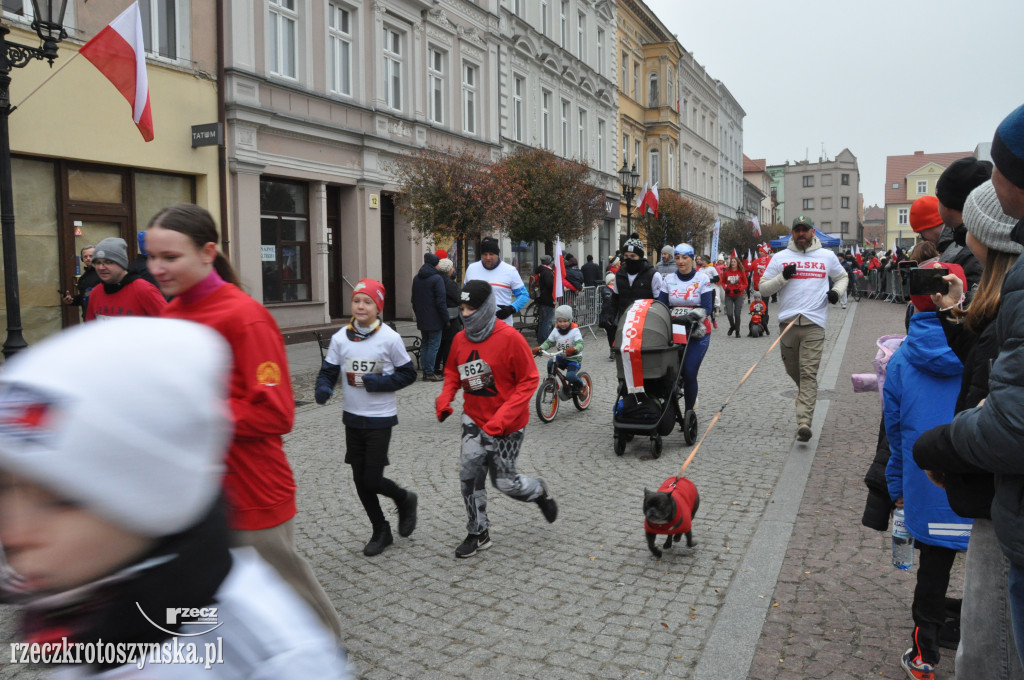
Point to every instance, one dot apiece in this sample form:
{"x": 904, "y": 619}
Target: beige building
{"x": 827, "y": 191}
{"x": 757, "y": 176}
{"x": 908, "y": 178}
{"x": 80, "y": 167}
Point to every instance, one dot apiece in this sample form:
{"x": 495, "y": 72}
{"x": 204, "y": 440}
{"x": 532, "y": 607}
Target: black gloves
{"x": 322, "y": 394}
{"x": 833, "y": 296}
{"x": 505, "y": 311}
{"x": 788, "y": 271}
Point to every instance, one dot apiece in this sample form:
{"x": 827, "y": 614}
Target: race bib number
{"x": 679, "y": 312}
{"x": 475, "y": 375}
{"x": 355, "y": 369}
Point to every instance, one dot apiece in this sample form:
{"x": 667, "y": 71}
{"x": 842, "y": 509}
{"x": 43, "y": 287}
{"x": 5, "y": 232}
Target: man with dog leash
{"x": 800, "y": 274}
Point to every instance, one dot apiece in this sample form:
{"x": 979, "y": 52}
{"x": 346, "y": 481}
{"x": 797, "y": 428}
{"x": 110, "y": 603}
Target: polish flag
{"x": 650, "y": 201}
{"x": 756, "y": 223}
{"x": 734, "y": 254}
{"x": 642, "y": 197}
{"x": 120, "y": 55}
{"x": 559, "y": 269}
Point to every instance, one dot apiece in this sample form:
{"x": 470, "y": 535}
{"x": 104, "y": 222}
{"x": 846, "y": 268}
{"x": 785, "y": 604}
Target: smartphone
{"x": 906, "y": 264}
{"x": 928, "y": 281}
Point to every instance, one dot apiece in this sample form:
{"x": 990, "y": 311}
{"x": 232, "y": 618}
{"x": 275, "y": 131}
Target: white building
{"x": 730, "y": 154}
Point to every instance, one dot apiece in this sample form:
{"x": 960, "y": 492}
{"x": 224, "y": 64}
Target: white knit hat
{"x": 563, "y": 312}
{"x": 139, "y": 443}
{"x": 986, "y": 221}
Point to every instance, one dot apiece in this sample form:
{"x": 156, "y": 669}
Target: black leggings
{"x": 367, "y": 453}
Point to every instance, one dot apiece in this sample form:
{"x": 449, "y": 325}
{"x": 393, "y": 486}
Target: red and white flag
{"x": 650, "y": 201}
{"x": 642, "y": 197}
{"x": 119, "y": 53}
{"x": 559, "y": 269}
{"x": 757, "y": 226}
{"x": 734, "y": 254}
{"x": 749, "y": 258}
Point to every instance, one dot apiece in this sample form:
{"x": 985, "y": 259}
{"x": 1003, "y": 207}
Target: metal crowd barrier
{"x": 586, "y": 305}
{"x": 895, "y": 286}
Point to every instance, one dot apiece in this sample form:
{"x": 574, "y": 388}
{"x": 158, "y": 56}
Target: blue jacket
{"x": 428, "y": 299}
{"x": 921, "y": 386}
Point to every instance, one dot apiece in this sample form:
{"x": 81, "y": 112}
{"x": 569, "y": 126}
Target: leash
{"x": 718, "y": 415}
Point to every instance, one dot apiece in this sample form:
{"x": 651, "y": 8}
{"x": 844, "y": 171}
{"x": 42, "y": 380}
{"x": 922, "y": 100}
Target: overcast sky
{"x": 879, "y": 77}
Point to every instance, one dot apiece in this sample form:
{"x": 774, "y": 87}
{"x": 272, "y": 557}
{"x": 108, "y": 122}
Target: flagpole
{"x": 51, "y": 77}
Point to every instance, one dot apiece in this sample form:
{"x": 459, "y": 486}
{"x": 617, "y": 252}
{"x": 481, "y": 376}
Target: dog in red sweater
{"x": 670, "y": 511}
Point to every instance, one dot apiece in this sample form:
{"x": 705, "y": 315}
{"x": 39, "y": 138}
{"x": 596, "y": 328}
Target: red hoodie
{"x": 737, "y": 287}
{"x": 498, "y": 377}
{"x": 258, "y": 482}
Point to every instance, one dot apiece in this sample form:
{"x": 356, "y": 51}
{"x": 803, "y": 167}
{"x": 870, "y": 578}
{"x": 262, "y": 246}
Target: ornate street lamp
{"x": 48, "y": 24}
{"x": 629, "y": 178}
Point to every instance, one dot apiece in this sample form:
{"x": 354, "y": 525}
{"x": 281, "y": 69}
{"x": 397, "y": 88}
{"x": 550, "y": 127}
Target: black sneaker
{"x": 407, "y": 514}
{"x": 473, "y": 542}
{"x": 547, "y": 504}
{"x": 381, "y": 539}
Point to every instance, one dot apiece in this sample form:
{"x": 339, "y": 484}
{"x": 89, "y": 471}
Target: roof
{"x": 874, "y": 213}
{"x": 898, "y": 167}
{"x": 754, "y": 165}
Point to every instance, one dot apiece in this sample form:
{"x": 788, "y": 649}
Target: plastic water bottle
{"x": 902, "y": 542}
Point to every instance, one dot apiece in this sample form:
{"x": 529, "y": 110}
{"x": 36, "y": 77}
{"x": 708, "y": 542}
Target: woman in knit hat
{"x": 986, "y": 647}
{"x": 451, "y": 296}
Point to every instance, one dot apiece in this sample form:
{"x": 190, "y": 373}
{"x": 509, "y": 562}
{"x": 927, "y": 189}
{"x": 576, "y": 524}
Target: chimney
{"x": 919, "y": 153}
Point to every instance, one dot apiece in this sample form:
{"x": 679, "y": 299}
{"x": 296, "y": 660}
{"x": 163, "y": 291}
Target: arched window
{"x": 652, "y": 89}
{"x": 655, "y": 166}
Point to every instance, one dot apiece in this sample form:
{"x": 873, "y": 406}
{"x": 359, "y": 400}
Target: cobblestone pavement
{"x": 583, "y": 597}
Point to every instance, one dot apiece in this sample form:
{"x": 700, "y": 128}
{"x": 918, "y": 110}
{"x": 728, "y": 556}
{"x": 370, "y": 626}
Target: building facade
{"x": 778, "y": 192}
{"x": 827, "y": 192}
{"x": 908, "y": 178}
{"x": 85, "y": 173}
{"x": 755, "y": 174}
{"x": 730, "y": 154}
{"x": 699, "y": 105}
{"x": 558, "y": 92}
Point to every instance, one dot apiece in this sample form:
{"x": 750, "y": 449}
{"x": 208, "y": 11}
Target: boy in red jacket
{"x": 493, "y": 365}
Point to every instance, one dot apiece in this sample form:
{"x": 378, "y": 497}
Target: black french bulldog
{"x": 670, "y": 511}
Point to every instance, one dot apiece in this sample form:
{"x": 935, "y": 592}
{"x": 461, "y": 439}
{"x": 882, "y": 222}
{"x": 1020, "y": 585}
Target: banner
{"x": 714, "y": 239}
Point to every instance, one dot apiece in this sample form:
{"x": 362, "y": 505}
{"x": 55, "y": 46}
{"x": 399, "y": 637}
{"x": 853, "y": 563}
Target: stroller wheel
{"x": 619, "y": 444}
{"x": 690, "y": 427}
{"x": 656, "y": 446}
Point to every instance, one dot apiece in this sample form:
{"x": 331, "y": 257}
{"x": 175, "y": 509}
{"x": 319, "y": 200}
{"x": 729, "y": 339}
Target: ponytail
{"x": 196, "y": 223}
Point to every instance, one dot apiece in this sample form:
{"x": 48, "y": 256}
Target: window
{"x": 545, "y": 12}
{"x": 903, "y": 217}
{"x": 895, "y": 185}
{"x": 808, "y": 204}
{"x": 826, "y": 180}
{"x": 563, "y": 20}
{"x": 600, "y": 51}
{"x": 844, "y": 179}
{"x": 545, "y": 119}
{"x": 808, "y": 180}
{"x": 600, "y": 144}
{"x": 922, "y": 186}
{"x": 826, "y": 202}
{"x": 282, "y": 26}
{"x": 284, "y": 241}
{"x": 581, "y": 36}
{"x": 469, "y": 85}
{"x": 625, "y": 150}
{"x": 160, "y": 26}
{"x": 704, "y": 127}
{"x": 637, "y": 158}
{"x": 844, "y": 227}
{"x": 582, "y": 132}
{"x": 392, "y": 69}
{"x": 339, "y": 36}
{"x": 435, "y": 84}
{"x": 671, "y": 166}
{"x": 652, "y": 90}
{"x": 565, "y": 129}
{"x": 517, "y": 108}
{"x": 844, "y": 201}
{"x": 686, "y": 173}
{"x": 625, "y": 73}
{"x": 517, "y": 7}
{"x": 636, "y": 81}
{"x": 655, "y": 166}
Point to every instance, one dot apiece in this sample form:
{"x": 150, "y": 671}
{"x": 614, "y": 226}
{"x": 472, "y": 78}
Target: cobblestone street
{"x": 784, "y": 582}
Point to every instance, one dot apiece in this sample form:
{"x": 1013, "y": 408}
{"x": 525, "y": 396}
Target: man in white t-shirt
{"x": 510, "y": 295}
{"x": 801, "y": 275}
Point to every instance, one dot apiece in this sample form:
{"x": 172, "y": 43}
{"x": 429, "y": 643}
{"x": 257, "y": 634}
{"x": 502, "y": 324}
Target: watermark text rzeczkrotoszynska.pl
{"x": 140, "y": 654}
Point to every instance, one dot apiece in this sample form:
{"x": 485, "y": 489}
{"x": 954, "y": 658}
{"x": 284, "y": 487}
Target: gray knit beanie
{"x": 113, "y": 249}
{"x": 985, "y": 220}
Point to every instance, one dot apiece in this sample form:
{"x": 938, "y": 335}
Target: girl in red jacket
{"x": 182, "y": 246}
{"x": 493, "y": 365}
{"x": 734, "y": 281}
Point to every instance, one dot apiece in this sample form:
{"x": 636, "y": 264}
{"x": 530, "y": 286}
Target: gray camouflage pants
{"x": 482, "y": 453}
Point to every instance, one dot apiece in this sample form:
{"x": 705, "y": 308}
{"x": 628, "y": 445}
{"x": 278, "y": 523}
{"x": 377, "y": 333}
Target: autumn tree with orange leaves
{"x": 679, "y": 220}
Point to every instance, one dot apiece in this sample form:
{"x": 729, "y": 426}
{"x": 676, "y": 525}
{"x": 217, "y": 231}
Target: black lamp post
{"x": 48, "y": 24}
{"x": 629, "y": 178}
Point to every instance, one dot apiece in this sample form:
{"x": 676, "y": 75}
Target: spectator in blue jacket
{"x": 921, "y": 388}
{"x": 431, "y": 310}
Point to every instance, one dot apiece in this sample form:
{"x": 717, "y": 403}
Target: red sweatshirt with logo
{"x": 734, "y": 281}
{"x": 258, "y": 482}
{"x": 498, "y": 377}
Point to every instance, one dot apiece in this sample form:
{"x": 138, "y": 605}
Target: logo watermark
{"x": 138, "y": 654}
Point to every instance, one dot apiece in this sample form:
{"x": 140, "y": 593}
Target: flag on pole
{"x": 650, "y": 201}
{"x": 642, "y": 197}
{"x": 714, "y": 237}
{"x": 757, "y": 226}
{"x": 749, "y": 257}
{"x": 734, "y": 254}
{"x": 119, "y": 53}
{"x": 559, "y": 269}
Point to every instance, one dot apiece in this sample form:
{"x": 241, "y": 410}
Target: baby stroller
{"x": 649, "y": 366}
